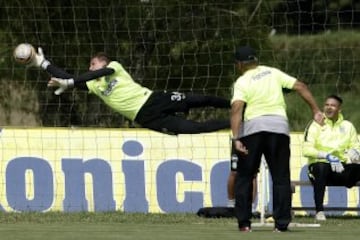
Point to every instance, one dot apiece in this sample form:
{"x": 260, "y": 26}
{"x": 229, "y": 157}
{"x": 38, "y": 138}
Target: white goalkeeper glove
{"x": 354, "y": 155}
{"x": 335, "y": 163}
{"x": 61, "y": 84}
{"x": 39, "y": 60}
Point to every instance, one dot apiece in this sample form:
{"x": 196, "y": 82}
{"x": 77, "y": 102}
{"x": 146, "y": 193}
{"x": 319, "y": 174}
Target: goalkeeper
{"x": 153, "y": 110}
{"x": 333, "y": 153}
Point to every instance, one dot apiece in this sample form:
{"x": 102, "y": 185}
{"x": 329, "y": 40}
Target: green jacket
{"x": 334, "y": 138}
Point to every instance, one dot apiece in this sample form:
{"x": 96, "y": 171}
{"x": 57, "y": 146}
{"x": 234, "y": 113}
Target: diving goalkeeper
{"x": 116, "y": 88}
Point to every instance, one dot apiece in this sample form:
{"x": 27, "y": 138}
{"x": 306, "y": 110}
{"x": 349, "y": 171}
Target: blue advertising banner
{"x": 131, "y": 170}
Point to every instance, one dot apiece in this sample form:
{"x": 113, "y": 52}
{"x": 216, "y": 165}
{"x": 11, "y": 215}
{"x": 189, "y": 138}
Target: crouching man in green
{"x": 333, "y": 153}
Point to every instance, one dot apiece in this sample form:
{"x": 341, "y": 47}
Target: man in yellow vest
{"x": 333, "y": 153}
{"x": 260, "y": 126}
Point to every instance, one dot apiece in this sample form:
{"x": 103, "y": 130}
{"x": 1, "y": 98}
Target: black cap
{"x": 245, "y": 54}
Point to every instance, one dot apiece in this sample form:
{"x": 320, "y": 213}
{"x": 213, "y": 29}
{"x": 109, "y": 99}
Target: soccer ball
{"x": 24, "y": 53}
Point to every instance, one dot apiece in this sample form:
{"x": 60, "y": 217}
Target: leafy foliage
{"x": 166, "y": 45}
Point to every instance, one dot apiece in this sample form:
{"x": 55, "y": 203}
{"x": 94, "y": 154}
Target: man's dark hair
{"x": 336, "y": 97}
{"x": 102, "y": 56}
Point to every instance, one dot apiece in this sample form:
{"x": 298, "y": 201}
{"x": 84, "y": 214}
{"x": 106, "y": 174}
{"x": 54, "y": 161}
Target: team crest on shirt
{"x": 342, "y": 130}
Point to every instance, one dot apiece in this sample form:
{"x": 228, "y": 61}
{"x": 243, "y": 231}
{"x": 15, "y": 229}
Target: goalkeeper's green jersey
{"x": 261, "y": 88}
{"x": 334, "y": 138}
{"x": 119, "y": 91}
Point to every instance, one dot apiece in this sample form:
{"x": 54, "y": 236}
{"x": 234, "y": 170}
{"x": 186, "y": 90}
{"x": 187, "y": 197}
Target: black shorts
{"x": 160, "y": 113}
{"x": 159, "y": 104}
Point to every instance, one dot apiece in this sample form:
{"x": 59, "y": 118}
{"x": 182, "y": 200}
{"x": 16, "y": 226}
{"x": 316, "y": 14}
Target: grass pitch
{"x": 117, "y": 225}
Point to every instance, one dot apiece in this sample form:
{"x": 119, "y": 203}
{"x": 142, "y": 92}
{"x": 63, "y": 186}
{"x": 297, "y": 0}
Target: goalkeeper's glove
{"x": 62, "y": 84}
{"x": 335, "y": 163}
{"x": 354, "y": 155}
{"x": 39, "y": 60}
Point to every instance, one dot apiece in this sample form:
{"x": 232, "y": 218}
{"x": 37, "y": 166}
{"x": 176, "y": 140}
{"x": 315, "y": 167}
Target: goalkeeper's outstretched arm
{"x": 91, "y": 75}
{"x": 41, "y": 61}
{"x": 62, "y": 79}
{"x": 58, "y": 72}
{"x": 78, "y": 82}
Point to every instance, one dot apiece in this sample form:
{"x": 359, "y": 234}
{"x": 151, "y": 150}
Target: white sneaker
{"x": 320, "y": 216}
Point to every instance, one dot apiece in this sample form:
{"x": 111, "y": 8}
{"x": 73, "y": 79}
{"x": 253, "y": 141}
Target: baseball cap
{"x": 245, "y": 54}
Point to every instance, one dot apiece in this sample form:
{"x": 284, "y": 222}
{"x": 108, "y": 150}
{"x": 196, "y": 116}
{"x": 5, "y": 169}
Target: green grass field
{"x": 117, "y": 225}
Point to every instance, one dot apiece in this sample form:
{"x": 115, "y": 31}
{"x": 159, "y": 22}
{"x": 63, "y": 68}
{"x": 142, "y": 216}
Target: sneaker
{"x": 280, "y": 230}
{"x": 320, "y": 216}
{"x": 245, "y": 229}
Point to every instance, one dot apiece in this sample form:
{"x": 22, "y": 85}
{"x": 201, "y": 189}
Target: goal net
{"x": 173, "y": 46}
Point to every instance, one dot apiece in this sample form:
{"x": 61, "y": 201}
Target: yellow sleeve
{"x": 309, "y": 146}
